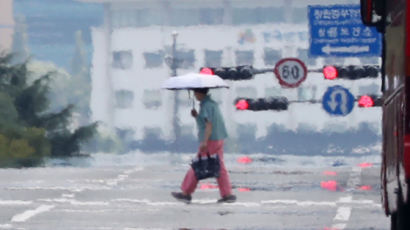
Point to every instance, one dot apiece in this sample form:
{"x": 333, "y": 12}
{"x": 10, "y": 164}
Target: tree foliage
{"x": 28, "y": 131}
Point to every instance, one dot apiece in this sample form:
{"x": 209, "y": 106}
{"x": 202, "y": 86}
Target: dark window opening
{"x": 244, "y": 57}
{"x": 186, "y": 58}
{"x": 124, "y": 99}
{"x": 208, "y": 16}
{"x": 154, "y": 60}
{"x": 122, "y": 59}
{"x": 272, "y": 56}
{"x": 213, "y": 58}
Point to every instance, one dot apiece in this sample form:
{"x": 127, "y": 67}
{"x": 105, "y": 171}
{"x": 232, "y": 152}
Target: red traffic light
{"x": 330, "y": 72}
{"x": 366, "y": 101}
{"x": 206, "y": 70}
{"x": 242, "y": 104}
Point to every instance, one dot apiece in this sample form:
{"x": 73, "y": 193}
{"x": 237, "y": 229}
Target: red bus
{"x": 392, "y": 19}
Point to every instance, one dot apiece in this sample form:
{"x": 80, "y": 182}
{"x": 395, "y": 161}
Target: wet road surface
{"x": 270, "y": 196}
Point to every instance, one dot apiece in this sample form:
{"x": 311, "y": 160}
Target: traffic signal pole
{"x": 261, "y": 71}
{"x": 173, "y": 63}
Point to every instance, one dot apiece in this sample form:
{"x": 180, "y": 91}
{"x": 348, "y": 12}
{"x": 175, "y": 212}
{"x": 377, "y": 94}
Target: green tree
{"x": 28, "y": 131}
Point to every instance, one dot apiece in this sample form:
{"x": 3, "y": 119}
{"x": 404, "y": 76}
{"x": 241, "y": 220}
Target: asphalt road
{"x": 138, "y": 197}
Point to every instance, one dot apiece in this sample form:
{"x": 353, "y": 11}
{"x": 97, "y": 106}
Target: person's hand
{"x": 203, "y": 146}
{"x": 194, "y": 113}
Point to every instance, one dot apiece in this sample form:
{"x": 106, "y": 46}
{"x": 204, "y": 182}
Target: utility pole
{"x": 173, "y": 62}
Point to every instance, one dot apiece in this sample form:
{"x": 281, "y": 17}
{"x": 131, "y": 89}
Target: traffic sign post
{"x": 337, "y": 30}
{"x": 291, "y": 72}
{"x": 338, "y": 101}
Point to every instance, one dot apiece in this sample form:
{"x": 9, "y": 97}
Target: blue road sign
{"x": 338, "y": 101}
{"x": 337, "y": 30}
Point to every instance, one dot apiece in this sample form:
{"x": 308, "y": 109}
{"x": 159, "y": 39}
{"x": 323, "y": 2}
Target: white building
{"x": 131, "y": 49}
{"x": 6, "y": 25}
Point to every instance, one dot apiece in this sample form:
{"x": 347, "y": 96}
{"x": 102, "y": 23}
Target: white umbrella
{"x": 193, "y": 81}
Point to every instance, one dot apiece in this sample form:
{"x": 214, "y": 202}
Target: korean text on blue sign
{"x": 337, "y": 30}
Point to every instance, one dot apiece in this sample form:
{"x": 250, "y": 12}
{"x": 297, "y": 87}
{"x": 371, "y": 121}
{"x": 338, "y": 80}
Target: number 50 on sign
{"x": 290, "y": 72}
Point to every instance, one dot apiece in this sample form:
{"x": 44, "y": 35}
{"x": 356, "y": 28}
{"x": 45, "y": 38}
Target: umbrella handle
{"x": 193, "y": 100}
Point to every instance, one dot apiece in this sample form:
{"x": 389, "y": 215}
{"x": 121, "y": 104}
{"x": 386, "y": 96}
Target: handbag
{"x": 206, "y": 167}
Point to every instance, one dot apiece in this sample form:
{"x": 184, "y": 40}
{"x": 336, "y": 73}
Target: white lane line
{"x": 75, "y": 202}
{"x": 15, "y": 202}
{"x": 345, "y": 201}
{"x": 68, "y": 195}
{"x": 6, "y": 226}
{"x": 23, "y": 217}
{"x": 343, "y": 214}
{"x": 299, "y": 203}
{"x": 122, "y": 177}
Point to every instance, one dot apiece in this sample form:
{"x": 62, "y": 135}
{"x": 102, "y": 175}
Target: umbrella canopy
{"x": 194, "y": 80}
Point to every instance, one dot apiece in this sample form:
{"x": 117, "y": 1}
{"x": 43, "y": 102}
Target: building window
{"x": 299, "y": 15}
{"x": 272, "y": 56}
{"x": 124, "y": 99}
{"x": 248, "y": 92}
{"x": 125, "y": 134}
{"x": 122, "y": 59}
{"x": 369, "y": 89}
{"x": 244, "y": 57}
{"x": 209, "y": 16}
{"x": 307, "y": 93}
{"x": 273, "y": 92}
{"x": 304, "y": 56}
{"x": 154, "y": 60}
{"x": 257, "y": 15}
{"x": 152, "y": 99}
{"x": 333, "y": 60}
{"x": 152, "y": 132}
{"x": 370, "y": 60}
{"x": 123, "y": 18}
{"x": 187, "y": 59}
{"x": 213, "y": 58}
{"x": 136, "y": 18}
{"x": 184, "y": 17}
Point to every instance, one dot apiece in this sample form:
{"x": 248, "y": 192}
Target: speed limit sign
{"x": 290, "y": 72}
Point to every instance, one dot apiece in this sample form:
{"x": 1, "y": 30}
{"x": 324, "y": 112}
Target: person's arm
{"x": 208, "y": 131}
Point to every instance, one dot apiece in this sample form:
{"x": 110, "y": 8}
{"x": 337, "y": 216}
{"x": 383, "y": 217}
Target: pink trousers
{"x": 190, "y": 182}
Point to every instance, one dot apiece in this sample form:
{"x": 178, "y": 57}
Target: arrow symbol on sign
{"x": 343, "y": 103}
{"x": 345, "y": 49}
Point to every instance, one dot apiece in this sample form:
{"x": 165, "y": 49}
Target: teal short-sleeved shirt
{"x": 209, "y": 111}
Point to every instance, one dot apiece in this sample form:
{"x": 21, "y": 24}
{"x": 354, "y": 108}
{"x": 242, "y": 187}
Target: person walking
{"x": 211, "y": 135}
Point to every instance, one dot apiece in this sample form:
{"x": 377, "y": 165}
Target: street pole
{"x": 174, "y": 66}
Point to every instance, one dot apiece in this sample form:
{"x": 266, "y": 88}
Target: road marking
{"x": 122, "y": 177}
{"x": 23, "y": 217}
{"x": 76, "y": 202}
{"x": 6, "y": 226}
{"x": 299, "y": 203}
{"x": 345, "y": 201}
{"x": 343, "y": 214}
{"x": 15, "y": 202}
{"x": 68, "y": 195}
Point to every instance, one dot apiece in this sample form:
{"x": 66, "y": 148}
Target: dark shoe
{"x": 227, "y": 199}
{"x": 181, "y": 197}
